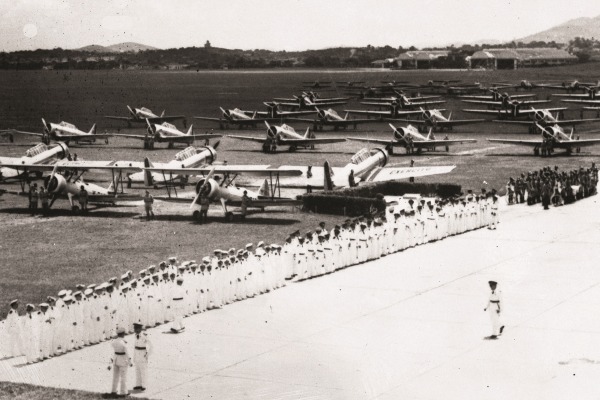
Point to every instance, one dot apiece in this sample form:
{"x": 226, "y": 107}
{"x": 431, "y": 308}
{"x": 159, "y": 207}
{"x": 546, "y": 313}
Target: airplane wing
{"x": 510, "y": 112}
{"x": 64, "y": 137}
{"x": 253, "y": 170}
{"x": 78, "y": 165}
{"x": 452, "y": 122}
{"x": 15, "y": 131}
{"x": 573, "y": 96}
{"x": 248, "y": 138}
{"x": 119, "y": 118}
{"x": 384, "y": 142}
{"x": 203, "y": 136}
{"x": 302, "y": 142}
{"x": 130, "y": 136}
{"x": 533, "y": 143}
{"x": 211, "y": 119}
{"x": 393, "y": 173}
{"x": 562, "y": 122}
{"x": 591, "y": 102}
{"x": 167, "y": 118}
{"x": 426, "y": 103}
{"x": 566, "y": 144}
{"x": 279, "y": 99}
{"x": 327, "y": 103}
{"x": 488, "y": 97}
{"x": 330, "y": 99}
{"x": 441, "y": 142}
{"x": 383, "y": 113}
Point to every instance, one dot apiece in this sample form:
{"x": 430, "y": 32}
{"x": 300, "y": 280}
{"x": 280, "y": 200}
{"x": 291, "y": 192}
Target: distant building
{"x": 519, "y": 58}
{"x": 420, "y": 58}
{"x": 387, "y": 63}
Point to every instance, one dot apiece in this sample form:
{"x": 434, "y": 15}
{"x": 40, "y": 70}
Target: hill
{"x": 580, "y": 27}
{"x": 126, "y": 47}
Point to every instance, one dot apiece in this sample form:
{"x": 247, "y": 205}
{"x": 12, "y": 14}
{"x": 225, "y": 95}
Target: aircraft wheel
{"x": 196, "y": 216}
{"x": 221, "y": 126}
{"x": 171, "y": 145}
{"x": 106, "y": 141}
{"x": 11, "y": 138}
{"x": 292, "y": 149}
{"x": 536, "y": 151}
{"x": 38, "y": 174}
{"x": 129, "y": 183}
{"x": 75, "y": 209}
{"x": 229, "y": 216}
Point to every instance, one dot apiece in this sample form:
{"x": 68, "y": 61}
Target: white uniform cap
{"x": 206, "y": 259}
{"x": 260, "y": 244}
{"x": 249, "y": 245}
{"x": 88, "y": 292}
{"x": 62, "y": 293}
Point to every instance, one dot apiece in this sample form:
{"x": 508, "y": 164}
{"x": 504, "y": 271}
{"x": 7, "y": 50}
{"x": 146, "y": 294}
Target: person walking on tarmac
{"x": 148, "y": 201}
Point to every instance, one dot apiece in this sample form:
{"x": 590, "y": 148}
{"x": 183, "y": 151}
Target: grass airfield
{"x": 42, "y": 255}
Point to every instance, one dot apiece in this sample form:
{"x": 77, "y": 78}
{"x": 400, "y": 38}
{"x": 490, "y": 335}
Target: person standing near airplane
{"x": 44, "y": 199}
{"x": 33, "y": 199}
{"x": 83, "y": 198}
{"x": 245, "y": 202}
{"x": 148, "y": 201}
{"x": 204, "y": 204}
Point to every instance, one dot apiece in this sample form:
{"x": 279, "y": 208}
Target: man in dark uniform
{"x": 83, "y": 198}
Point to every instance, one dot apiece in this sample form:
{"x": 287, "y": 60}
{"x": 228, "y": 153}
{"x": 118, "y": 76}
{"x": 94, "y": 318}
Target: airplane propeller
{"x": 204, "y": 184}
{"x": 132, "y": 112}
{"x": 46, "y": 132}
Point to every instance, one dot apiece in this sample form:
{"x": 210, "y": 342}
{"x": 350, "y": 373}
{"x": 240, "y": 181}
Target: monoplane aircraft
{"x": 40, "y": 154}
{"x": 413, "y": 141}
{"x": 285, "y": 135}
{"x": 435, "y": 120}
{"x": 166, "y": 133}
{"x": 552, "y": 137}
{"x": 496, "y": 95}
{"x": 142, "y": 114}
{"x": 513, "y": 109}
{"x": 310, "y": 100}
{"x": 251, "y": 119}
{"x": 544, "y": 117}
{"x": 65, "y": 132}
{"x": 330, "y": 117}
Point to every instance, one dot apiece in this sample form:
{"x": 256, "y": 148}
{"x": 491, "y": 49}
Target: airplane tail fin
{"x": 307, "y": 134}
{"x": 189, "y": 132}
{"x": 162, "y": 114}
{"x": 93, "y": 130}
{"x": 327, "y": 174}
{"x": 264, "y": 189}
{"x": 429, "y": 134}
{"x": 131, "y": 111}
{"x": 571, "y": 135}
{"x": 111, "y": 187}
{"x": 148, "y": 181}
{"x": 450, "y": 116}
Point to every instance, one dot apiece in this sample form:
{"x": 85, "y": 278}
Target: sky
{"x": 277, "y": 24}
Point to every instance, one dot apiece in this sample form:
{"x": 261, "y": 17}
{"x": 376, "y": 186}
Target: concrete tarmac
{"x": 408, "y": 326}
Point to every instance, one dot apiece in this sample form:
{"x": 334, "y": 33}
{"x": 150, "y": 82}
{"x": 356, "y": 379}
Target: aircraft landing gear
{"x": 106, "y": 141}
{"x": 265, "y": 148}
{"x": 171, "y": 145}
{"x": 293, "y": 149}
{"x": 536, "y": 151}
{"x": 229, "y": 216}
{"x": 196, "y": 216}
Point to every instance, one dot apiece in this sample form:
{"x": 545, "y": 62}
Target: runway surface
{"x": 408, "y": 326}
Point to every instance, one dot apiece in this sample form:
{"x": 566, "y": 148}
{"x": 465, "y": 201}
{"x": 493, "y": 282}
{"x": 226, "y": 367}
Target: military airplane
{"x": 223, "y": 191}
{"x": 506, "y": 102}
{"x": 592, "y": 97}
{"x": 310, "y": 100}
{"x": 142, "y": 114}
{"x": 166, "y": 133}
{"x": 403, "y": 102}
{"x": 495, "y": 95}
{"x": 317, "y": 85}
{"x": 437, "y": 121}
{"x": 251, "y": 119}
{"x": 40, "y": 154}
{"x": 285, "y": 135}
{"x": 65, "y": 132}
{"x": 410, "y": 138}
{"x": 330, "y": 117}
{"x": 544, "y": 117}
{"x": 191, "y": 157}
{"x": 553, "y": 137}
{"x": 513, "y": 109}
{"x": 66, "y": 180}
{"x": 573, "y": 86}
{"x": 367, "y": 165}
{"x": 523, "y": 84}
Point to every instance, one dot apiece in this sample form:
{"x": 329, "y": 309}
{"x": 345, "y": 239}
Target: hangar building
{"x": 519, "y": 58}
